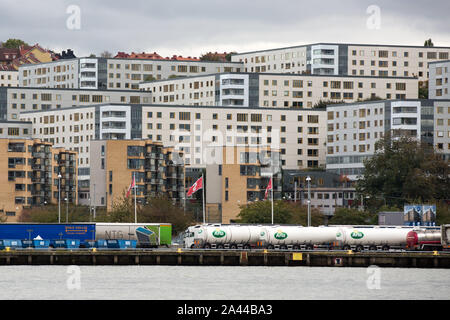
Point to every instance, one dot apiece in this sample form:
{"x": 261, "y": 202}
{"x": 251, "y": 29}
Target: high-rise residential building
{"x": 34, "y": 172}
{"x": 114, "y": 73}
{"x": 277, "y": 90}
{"x": 298, "y": 134}
{"x": 345, "y": 59}
{"x": 439, "y": 84}
{"x": 14, "y": 101}
{"x": 353, "y": 129}
{"x": 158, "y": 172}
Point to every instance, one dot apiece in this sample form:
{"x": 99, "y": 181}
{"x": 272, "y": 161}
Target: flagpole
{"x": 203, "y": 190}
{"x": 135, "y": 212}
{"x": 272, "y": 196}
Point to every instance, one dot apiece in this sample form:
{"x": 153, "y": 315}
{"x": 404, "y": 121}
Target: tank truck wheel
{"x": 385, "y": 247}
{"x": 359, "y": 248}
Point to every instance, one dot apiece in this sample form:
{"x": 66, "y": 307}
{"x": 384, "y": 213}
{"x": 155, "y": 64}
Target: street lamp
{"x": 308, "y": 179}
{"x": 67, "y": 208}
{"x": 59, "y": 198}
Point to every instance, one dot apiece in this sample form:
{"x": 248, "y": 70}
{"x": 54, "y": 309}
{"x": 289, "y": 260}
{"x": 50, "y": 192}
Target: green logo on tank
{"x": 262, "y": 234}
{"x": 218, "y": 233}
{"x": 338, "y": 234}
{"x": 357, "y": 235}
{"x": 280, "y": 235}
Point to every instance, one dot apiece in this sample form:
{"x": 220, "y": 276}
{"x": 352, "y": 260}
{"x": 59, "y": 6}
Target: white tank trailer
{"x": 373, "y": 238}
{"x": 259, "y": 236}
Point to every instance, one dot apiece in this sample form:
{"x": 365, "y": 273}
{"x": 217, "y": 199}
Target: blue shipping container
{"x": 47, "y": 231}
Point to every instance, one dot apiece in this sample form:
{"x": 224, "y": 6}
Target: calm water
{"x": 221, "y": 283}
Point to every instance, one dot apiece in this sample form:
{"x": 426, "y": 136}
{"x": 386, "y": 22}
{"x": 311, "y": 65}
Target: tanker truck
{"x": 219, "y": 236}
{"x": 373, "y": 238}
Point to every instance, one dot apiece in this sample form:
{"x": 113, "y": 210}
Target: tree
{"x": 323, "y": 103}
{"x": 106, "y": 54}
{"x": 423, "y": 92}
{"x": 403, "y": 170}
{"x": 428, "y": 43}
{"x": 149, "y": 77}
{"x": 347, "y": 216}
{"x": 284, "y": 212}
{"x": 261, "y": 212}
{"x": 14, "y": 43}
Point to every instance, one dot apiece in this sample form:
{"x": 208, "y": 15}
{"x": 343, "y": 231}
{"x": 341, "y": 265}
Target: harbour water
{"x": 220, "y": 283}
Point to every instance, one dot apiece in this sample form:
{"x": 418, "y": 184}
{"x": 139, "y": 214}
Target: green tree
{"x": 324, "y": 103}
{"x": 261, "y": 212}
{"x": 284, "y": 212}
{"x": 14, "y": 43}
{"x": 403, "y": 170}
{"x": 149, "y": 77}
{"x": 348, "y": 216}
{"x": 428, "y": 43}
{"x": 423, "y": 92}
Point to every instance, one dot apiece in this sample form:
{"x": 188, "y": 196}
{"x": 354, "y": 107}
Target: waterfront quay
{"x": 185, "y": 257}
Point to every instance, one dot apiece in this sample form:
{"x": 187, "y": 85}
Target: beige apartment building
{"x": 33, "y": 173}
{"x": 239, "y": 178}
{"x": 345, "y": 59}
{"x": 158, "y": 172}
{"x": 276, "y": 90}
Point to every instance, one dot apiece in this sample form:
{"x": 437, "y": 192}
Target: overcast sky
{"x": 194, "y": 27}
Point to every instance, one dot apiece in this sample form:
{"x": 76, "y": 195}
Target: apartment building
{"x": 328, "y": 190}
{"x": 158, "y": 171}
{"x": 14, "y": 101}
{"x": 300, "y": 134}
{"x": 277, "y": 90}
{"x": 114, "y": 73}
{"x": 34, "y": 172}
{"x": 8, "y": 77}
{"x": 353, "y": 129}
{"x": 15, "y": 129}
{"x": 439, "y": 86}
{"x": 240, "y": 176}
{"x": 345, "y": 59}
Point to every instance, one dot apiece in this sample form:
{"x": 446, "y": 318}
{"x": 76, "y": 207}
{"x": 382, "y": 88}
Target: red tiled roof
{"x": 151, "y": 56}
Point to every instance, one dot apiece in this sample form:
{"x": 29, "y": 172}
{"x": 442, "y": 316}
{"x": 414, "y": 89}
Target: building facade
{"x": 328, "y": 190}
{"x": 158, "y": 172}
{"x": 299, "y": 134}
{"x": 8, "y": 77}
{"x": 114, "y": 73}
{"x": 353, "y": 129}
{"x": 240, "y": 176}
{"x": 439, "y": 86}
{"x": 14, "y": 101}
{"x": 346, "y": 59}
{"x": 35, "y": 171}
{"x": 277, "y": 90}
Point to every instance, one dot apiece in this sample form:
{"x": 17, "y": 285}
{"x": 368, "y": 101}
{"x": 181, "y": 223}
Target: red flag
{"x": 196, "y": 186}
{"x": 269, "y": 187}
{"x": 133, "y": 183}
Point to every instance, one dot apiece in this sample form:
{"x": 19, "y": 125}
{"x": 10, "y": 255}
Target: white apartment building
{"x": 15, "y": 129}
{"x": 353, "y": 129}
{"x": 14, "y": 101}
{"x": 345, "y": 59}
{"x": 299, "y": 134}
{"x": 9, "y": 78}
{"x": 277, "y": 90}
{"x": 439, "y": 86}
{"x": 114, "y": 73}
